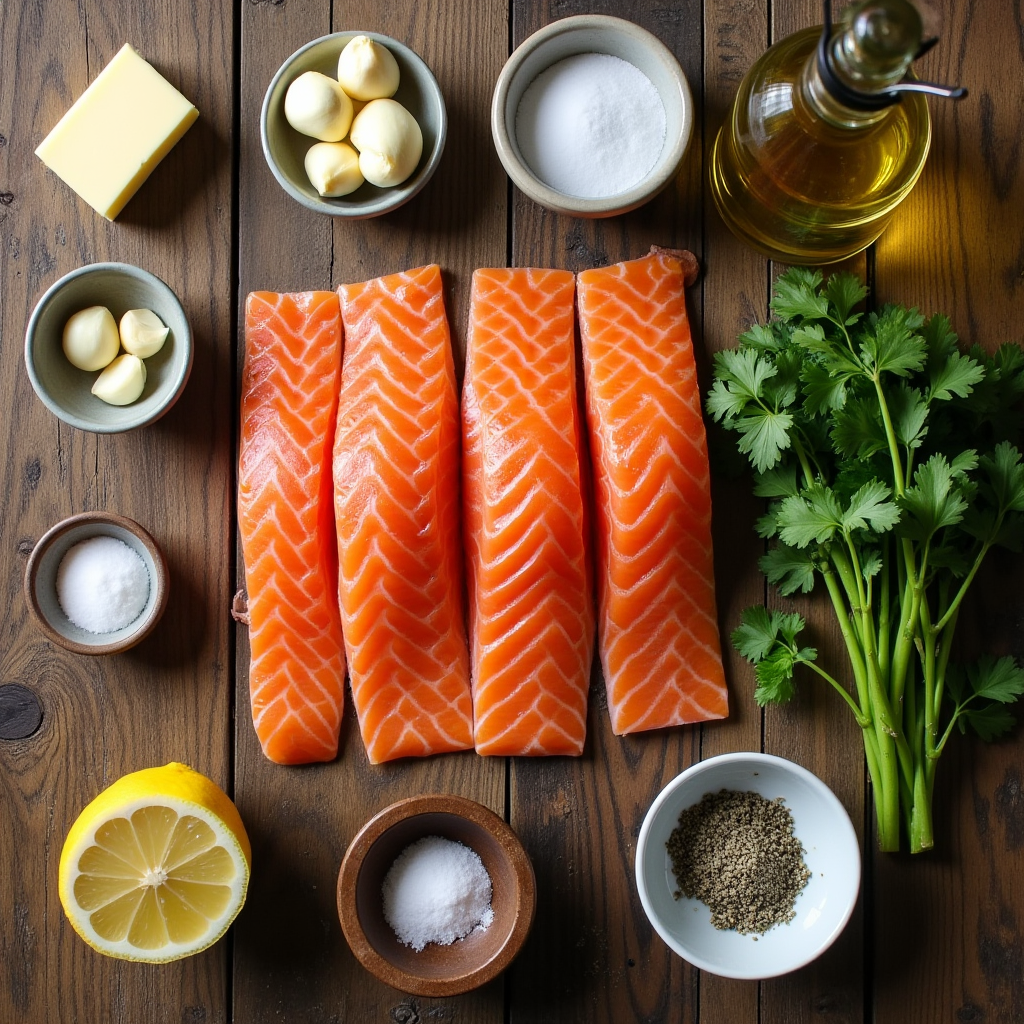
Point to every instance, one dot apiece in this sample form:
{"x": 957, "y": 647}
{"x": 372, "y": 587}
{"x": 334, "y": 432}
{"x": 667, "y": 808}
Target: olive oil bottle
{"x": 827, "y": 135}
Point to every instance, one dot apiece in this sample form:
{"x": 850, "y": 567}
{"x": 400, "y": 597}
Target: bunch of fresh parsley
{"x": 888, "y": 460}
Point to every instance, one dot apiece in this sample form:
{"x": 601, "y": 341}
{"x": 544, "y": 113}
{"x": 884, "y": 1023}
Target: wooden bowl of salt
{"x": 96, "y": 583}
{"x": 436, "y": 895}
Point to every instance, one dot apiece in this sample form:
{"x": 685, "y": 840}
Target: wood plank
{"x": 735, "y": 295}
{"x": 302, "y": 819}
{"x": 169, "y": 698}
{"x": 949, "y": 924}
{"x": 593, "y": 955}
{"x": 817, "y": 730}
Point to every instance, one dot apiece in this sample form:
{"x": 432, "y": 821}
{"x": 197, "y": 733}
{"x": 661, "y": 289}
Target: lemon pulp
{"x": 155, "y": 875}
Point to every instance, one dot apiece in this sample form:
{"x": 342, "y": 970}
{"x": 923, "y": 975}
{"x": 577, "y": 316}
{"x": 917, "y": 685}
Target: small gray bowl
{"x": 592, "y": 33}
{"x": 285, "y": 148}
{"x": 67, "y": 391}
{"x": 41, "y": 582}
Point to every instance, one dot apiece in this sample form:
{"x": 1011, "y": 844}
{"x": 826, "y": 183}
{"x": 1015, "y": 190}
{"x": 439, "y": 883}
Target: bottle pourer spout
{"x": 865, "y": 67}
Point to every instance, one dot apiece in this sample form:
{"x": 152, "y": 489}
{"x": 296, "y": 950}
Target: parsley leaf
{"x": 779, "y": 482}
{"x": 764, "y": 436}
{"x": 957, "y": 375}
{"x": 814, "y": 515}
{"x": 933, "y": 501}
{"x": 871, "y": 505}
{"x": 796, "y": 295}
{"x": 857, "y": 429}
{"x": 890, "y": 344}
{"x": 823, "y": 389}
{"x": 788, "y": 568}
{"x": 844, "y": 290}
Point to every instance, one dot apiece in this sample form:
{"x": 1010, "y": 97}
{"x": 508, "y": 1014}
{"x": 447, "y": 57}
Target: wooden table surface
{"x": 935, "y": 938}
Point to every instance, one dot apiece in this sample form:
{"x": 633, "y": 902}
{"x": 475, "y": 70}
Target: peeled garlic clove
{"x": 333, "y": 168}
{"x": 389, "y": 141}
{"x": 90, "y": 338}
{"x": 367, "y": 70}
{"x": 316, "y": 105}
{"x": 142, "y": 333}
{"x": 122, "y": 381}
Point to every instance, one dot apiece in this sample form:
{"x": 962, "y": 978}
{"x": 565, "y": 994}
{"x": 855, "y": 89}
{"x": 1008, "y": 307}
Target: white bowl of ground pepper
{"x": 748, "y": 866}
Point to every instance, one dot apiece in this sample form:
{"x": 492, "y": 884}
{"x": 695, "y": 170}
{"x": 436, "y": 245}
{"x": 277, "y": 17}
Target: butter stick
{"x": 116, "y": 133}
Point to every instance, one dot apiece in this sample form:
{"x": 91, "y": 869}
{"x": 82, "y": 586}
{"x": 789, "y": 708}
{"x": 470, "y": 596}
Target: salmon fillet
{"x": 531, "y": 616}
{"x": 396, "y": 501}
{"x": 286, "y": 519}
{"x": 657, "y": 625}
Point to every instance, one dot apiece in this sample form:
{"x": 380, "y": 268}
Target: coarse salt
{"x": 591, "y": 126}
{"x": 102, "y": 584}
{"x": 437, "y": 890}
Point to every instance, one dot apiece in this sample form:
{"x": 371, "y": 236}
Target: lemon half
{"x": 156, "y": 867}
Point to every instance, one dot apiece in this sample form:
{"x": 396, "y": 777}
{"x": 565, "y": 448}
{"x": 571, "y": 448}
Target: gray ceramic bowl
{"x": 41, "y": 582}
{"x": 285, "y": 148}
{"x": 64, "y": 389}
{"x": 831, "y": 853}
{"x": 436, "y": 971}
{"x": 592, "y": 33}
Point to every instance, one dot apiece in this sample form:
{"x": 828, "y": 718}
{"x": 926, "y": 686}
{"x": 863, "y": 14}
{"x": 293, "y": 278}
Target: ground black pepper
{"x": 736, "y": 852}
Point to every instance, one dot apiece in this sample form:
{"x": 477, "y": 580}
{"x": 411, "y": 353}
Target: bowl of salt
{"x": 436, "y": 895}
{"x": 96, "y": 583}
{"x": 591, "y": 116}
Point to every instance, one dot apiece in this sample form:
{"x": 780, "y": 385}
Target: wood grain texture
{"x": 593, "y": 955}
{"x": 303, "y": 818}
{"x": 817, "y": 730}
{"x": 949, "y": 924}
{"x": 938, "y": 937}
{"x": 734, "y": 286}
{"x": 169, "y": 698}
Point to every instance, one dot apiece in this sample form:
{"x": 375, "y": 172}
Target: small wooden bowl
{"x": 436, "y": 971}
{"x": 41, "y": 582}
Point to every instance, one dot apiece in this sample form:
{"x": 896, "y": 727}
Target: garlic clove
{"x": 121, "y": 383}
{"x": 367, "y": 70}
{"x": 389, "y": 141}
{"x": 142, "y": 333}
{"x": 316, "y": 105}
{"x": 90, "y": 339}
{"x": 333, "y": 168}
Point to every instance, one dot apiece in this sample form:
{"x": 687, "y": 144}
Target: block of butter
{"x": 118, "y": 130}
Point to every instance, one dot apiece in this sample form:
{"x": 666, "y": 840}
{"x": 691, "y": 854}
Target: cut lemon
{"x": 156, "y": 867}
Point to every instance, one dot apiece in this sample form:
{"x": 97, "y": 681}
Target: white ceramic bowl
{"x": 831, "y": 852}
{"x": 592, "y": 33}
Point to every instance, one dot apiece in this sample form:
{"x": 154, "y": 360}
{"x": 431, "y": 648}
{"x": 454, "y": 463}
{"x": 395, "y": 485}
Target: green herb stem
{"x": 954, "y": 606}
{"x": 863, "y": 719}
{"x": 890, "y": 435}
{"x": 850, "y": 637}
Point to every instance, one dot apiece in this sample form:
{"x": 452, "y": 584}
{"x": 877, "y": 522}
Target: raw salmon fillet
{"x": 396, "y": 502}
{"x": 286, "y": 519}
{"x": 526, "y": 524}
{"x": 657, "y": 626}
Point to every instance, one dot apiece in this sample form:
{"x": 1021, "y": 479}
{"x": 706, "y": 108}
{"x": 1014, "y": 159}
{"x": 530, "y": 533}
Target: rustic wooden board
{"x": 170, "y": 698}
{"x": 304, "y": 818}
{"x": 734, "y": 285}
{"x": 950, "y": 923}
{"x": 937, "y": 937}
{"x": 593, "y": 955}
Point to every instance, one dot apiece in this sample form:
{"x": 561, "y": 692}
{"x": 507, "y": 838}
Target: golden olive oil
{"x": 801, "y": 176}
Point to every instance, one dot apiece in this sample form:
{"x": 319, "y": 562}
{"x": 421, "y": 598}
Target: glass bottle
{"x": 827, "y": 135}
